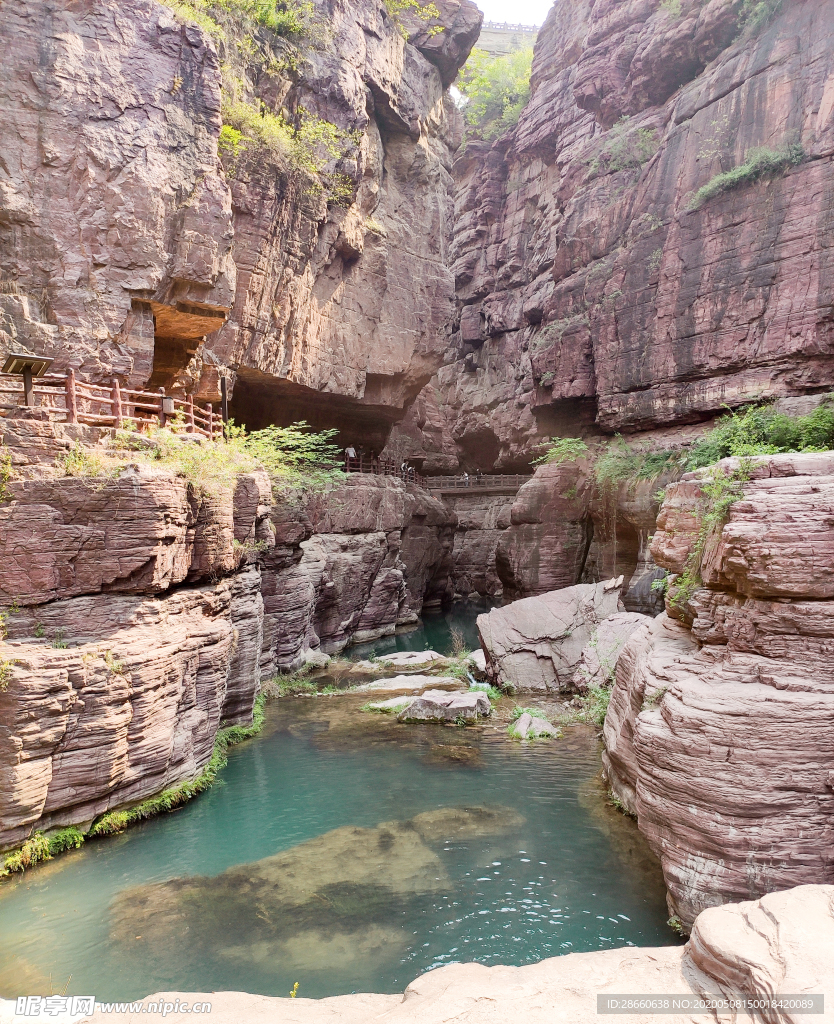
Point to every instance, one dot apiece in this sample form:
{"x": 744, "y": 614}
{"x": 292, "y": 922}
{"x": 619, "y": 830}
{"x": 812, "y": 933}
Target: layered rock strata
{"x": 119, "y": 675}
{"x": 125, "y": 242}
{"x": 144, "y": 610}
{"x": 596, "y": 284}
{"x": 782, "y": 943}
{"x": 351, "y": 565}
{"x": 720, "y": 732}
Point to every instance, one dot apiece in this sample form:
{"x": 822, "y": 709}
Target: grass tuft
{"x": 759, "y": 163}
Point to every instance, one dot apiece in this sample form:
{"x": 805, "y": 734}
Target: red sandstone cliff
{"x": 124, "y": 243}
{"x": 592, "y": 288}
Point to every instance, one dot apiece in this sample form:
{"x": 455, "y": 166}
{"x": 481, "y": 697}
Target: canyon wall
{"x": 125, "y": 243}
{"x": 597, "y": 290}
{"x": 719, "y": 734}
{"x": 143, "y": 611}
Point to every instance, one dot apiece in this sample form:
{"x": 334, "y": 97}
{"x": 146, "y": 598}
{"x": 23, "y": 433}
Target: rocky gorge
{"x": 647, "y": 248}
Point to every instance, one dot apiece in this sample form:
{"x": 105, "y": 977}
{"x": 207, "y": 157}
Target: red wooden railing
{"x": 76, "y": 401}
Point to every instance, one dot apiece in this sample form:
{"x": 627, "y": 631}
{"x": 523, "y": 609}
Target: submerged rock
{"x": 341, "y": 894}
{"x": 537, "y": 643}
{"x": 440, "y": 706}
{"x": 455, "y": 754}
{"x": 781, "y": 943}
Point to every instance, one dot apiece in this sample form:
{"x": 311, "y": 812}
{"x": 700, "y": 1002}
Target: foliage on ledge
{"x": 297, "y": 458}
{"x": 753, "y": 430}
{"x": 759, "y": 163}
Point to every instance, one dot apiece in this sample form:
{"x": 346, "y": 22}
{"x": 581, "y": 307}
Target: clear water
{"x": 553, "y": 870}
{"x": 434, "y": 632}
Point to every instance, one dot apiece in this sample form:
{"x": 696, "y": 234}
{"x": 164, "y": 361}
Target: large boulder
{"x": 598, "y": 661}
{"x": 536, "y": 644}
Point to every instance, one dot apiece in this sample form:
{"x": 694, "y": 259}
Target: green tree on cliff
{"x": 495, "y": 91}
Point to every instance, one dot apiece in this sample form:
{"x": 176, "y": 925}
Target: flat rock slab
{"x": 407, "y": 659}
{"x": 392, "y": 704}
{"x": 530, "y": 727}
{"x": 441, "y": 706}
{"x": 415, "y": 682}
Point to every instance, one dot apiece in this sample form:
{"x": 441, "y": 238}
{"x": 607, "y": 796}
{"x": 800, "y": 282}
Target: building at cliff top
{"x": 500, "y": 38}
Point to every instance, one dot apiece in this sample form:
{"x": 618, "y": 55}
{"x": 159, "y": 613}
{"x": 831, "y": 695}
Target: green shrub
{"x": 426, "y": 12}
{"x": 5, "y": 473}
{"x": 81, "y": 462}
{"x": 496, "y": 90}
{"x": 761, "y": 430}
{"x": 307, "y": 147}
{"x": 755, "y": 14}
{"x": 594, "y": 705}
{"x": 618, "y": 462}
{"x": 283, "y": 17}
{"x": 561, "y": 449}
{"x": 518, "y": 711}
{"x": 32, "y": 852}
{"x": 673, "y": 7}
{"x": 759, "y": 163}
{"x": 65, "y": 839}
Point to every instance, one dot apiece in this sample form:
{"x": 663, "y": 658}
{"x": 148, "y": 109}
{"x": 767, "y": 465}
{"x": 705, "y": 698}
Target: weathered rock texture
{"x": 112, "y": 195}
{"x": 590, "y": 287}
{"x": 720, "y": 733}
{"x": 352, "y": 565}
{"x": 124, "y": 243}
{"x": 779, "y": 944}
{"x": 143, "y": 613}
{"x": 537, "y": 643}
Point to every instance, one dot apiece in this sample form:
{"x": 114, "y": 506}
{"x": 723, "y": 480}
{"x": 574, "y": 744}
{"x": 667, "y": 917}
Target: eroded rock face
{"x": 129, "y": 706}
{"x": 591, "y": 287}
{"x": 353, "y": 302}
{"x": 112, "y": 194}
{"x": 124, "y": 242}
{"x": 352, "y": 565}
{"x": 719, "y": 735}
{"x": 537, "y": 643}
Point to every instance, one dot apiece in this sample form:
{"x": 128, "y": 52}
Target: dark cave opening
{"x": 260, "y": 400}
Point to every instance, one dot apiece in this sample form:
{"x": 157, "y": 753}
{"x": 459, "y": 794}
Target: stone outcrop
{"x": 441, "y": 706}
{"x": 537, "y": 643}
{"x": 113, "y": 204}
{"x": 121, "y": 699}
{"x": 125, "y": 242}
{"x": 144, "y": 609}
{"x": 719, "y": 735}
{"x": 352, "y": 565}
{"x": 550, "y": 531}
{"x": 593, "y": 287}
{"x": 782, "y": 943}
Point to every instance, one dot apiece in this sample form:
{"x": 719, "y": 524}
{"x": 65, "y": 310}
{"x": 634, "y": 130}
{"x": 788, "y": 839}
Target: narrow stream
{"x": 372, "y": 852}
